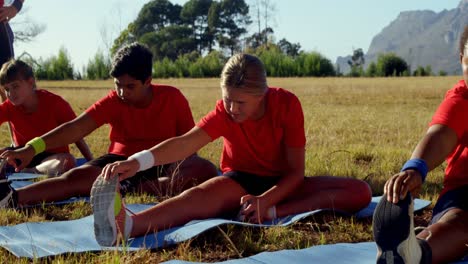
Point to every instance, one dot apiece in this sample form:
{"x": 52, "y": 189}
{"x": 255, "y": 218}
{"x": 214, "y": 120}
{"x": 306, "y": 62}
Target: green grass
{"x": 361, "y": 128}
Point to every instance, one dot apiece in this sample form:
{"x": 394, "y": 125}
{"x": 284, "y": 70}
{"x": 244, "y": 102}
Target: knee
{"x": 363, "y": 194}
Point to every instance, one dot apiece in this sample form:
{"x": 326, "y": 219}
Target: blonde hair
{"x": 245, "y": 72}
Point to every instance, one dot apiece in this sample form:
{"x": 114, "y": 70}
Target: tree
{"x": 195, "y": 13}
{"x": 234, "y": 18}
{"x": 258, "y": 39}
{"x": 99, "y": 67}
{"x": 170, "y": 42}
{"x": 57, "y": 67}
{"x": 288, "y": 48}
{"x": 263, "y": 10}
{"x": 356, "y": 63}
{"x": 156, "y": 15}
{"x": 391, "y": 65}
{"x": 372, "y": 70}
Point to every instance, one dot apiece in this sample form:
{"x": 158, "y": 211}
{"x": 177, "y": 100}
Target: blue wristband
{"x": 419, "y": 165}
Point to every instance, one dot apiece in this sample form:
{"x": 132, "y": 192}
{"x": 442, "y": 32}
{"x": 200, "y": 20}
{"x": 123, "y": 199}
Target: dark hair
{"x": 134, "y": 59}
{"x": 14, "y": 70}
{"x": 463, "y": 40}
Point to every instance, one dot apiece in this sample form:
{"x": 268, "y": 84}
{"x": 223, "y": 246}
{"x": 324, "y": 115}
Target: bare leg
{"x": 209, "y": 199}
{"x": 181, "y": 176}
{"x": 75, "y": 182}
{"x": 54, "y": 165}
{"x": 449, "y": 237}
{"x": 320, "y": 192}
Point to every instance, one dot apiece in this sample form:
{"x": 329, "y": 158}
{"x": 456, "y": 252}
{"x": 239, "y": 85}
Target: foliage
{"x": 56, "y": 67}
{"x": 98, "y": 68}
{"x": 421, "y": 71}
{"x": 356, "y": 63}
{"x": 390, "y": 64}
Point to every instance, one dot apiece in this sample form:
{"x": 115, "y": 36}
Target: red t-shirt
{"x": 136, "y": 129}
{"x": 259, "y": 146}
{"x": 52, "y": 111}
{"x": 453, "y": 112}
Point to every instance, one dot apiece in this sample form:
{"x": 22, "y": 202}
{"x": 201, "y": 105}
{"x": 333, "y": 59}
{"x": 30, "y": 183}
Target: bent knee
{"x": 362, "y": 194}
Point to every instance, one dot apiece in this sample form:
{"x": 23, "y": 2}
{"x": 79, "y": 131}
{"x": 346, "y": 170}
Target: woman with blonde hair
{"x": 262, "y": 163}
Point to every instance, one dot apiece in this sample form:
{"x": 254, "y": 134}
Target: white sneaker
{"x": 110, "y": 215}
{"x": 393, "y": 228}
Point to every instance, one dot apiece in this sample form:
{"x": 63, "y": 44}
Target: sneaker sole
{"x": 391, "y": 226}
{"x": 102, "y": 200}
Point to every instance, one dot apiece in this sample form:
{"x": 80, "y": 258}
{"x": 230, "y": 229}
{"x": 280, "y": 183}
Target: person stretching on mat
{"x": 140, "y": 114}
{"x": 446, "y": 238}
{"x": 262, "y": 163}
{"x": 32, "y": 112}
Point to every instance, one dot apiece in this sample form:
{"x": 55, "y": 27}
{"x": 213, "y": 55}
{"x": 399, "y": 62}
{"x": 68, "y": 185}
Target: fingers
{"x": 398, "y": 186}
{"x": 122, "y": 169}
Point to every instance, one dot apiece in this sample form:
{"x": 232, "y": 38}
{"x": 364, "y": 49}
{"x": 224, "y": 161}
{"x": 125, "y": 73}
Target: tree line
{"x": 195, "y": 40}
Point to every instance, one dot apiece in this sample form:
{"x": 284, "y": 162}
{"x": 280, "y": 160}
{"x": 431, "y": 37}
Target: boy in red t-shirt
{"x": 262, "y": 162}
{"x": 31, "y": 113}
{"x": 140, "y": 115}
{"x": 445, "y": 239}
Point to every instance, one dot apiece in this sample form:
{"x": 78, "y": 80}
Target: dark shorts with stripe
{"x": 131, "y": 184}
{"x": 252, "y": 183}
{"x": 456, "y": 198}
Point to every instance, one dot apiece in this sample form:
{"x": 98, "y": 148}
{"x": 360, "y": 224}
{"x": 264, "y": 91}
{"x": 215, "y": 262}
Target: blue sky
{"x": 331, "y": 27}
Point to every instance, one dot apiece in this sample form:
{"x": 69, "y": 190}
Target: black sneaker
{"x": 394, "y": 235}
{"x": 7, "y": 194}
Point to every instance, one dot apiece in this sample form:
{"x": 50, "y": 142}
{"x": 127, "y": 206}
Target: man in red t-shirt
{"x": 445, "y": 239}
{"x": 31, "y": 113}
{"x": 140, "y": 115}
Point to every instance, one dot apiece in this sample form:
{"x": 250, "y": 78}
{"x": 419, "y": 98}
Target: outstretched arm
{"x": 436, "y": 145}
{"x": 168, "y": 151}
{"x": 62, "y": 135}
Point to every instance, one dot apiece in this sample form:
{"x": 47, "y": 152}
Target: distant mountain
{"x": 421, "y": 38}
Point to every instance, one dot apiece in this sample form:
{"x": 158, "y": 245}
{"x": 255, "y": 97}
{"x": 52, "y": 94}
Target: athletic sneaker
{"x": 112, "y": 224}
{"x": 8, "y": 195}
{"x": 393, "y": 228}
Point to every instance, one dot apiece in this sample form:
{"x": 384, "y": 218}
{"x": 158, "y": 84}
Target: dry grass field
{"x": 361, "y": 128}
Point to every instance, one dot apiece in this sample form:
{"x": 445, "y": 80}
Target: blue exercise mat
{"x": 343, "y": 253}
{"x": 17, "y": 176}
{"x": 35, "y": 240}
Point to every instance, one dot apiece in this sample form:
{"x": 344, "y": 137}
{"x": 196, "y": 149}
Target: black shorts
{"x": 252, "y": 183}
{"x": 456, "y": 198}
{"x": 130, "y": 184}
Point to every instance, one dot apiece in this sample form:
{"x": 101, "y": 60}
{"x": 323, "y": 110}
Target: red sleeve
{"x": 214, "y": 122}
{"x": 184, "y": 115}
{"x": 3, "y": 113}
{"x": 103, "y": 110}
{"x": 452, "y": 113}
{"x": 294, "y": 134}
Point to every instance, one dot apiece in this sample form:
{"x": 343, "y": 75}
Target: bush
{"x": 98, "y": 68}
